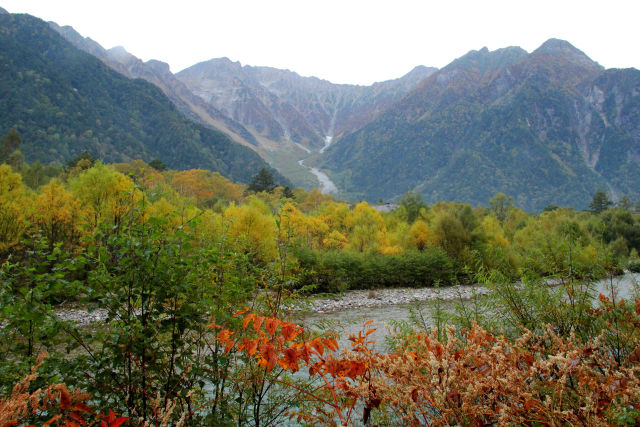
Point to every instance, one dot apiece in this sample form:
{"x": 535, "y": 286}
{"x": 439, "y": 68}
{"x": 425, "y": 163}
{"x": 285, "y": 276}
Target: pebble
{"x": 344, "y": 301}
{"x": 392, "y": 296}
{"x": 80, "y": 315}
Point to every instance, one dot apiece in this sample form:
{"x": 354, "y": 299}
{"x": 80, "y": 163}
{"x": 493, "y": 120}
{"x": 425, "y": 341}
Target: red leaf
{"x": 119, "y": 421}
{"x": 79, "y": 418}
{"x": 81, "y": 407}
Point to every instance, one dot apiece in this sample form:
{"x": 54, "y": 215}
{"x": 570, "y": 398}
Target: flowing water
{"x": 326, "y": 185}
{"x": 346, "y": 322}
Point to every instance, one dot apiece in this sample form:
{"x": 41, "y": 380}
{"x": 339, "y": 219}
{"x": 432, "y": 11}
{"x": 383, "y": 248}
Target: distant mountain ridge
{"x": 64, "y": 101}
{"x": 275, "y": 112}
{"x": 281, "y": 104}
{"x": 159, "y": 74}
{"x": 549, "y": 127}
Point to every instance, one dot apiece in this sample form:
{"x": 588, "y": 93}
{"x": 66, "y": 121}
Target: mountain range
{"x": 547, "y": 127}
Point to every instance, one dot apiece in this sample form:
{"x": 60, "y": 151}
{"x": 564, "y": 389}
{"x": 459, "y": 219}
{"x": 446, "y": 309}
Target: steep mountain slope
{"x": 333, "y": 109}
{"x": 226, "y": 85}
{"x": 159, "y": 74}
{"x": 547, "y": 127}
{"x": 64, "y": 101}
{"x": 282, "y": 105}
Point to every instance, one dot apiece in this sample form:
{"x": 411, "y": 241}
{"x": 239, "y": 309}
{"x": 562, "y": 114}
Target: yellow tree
{"x": 55, "y": 213}
{"x": 421, "y": 235}
{"x": 193, "y": 183}
{"x": 252, "y": 229}
{"x": 104, "y": 195}
{"x": 367, "y": 229}
{"x": 12, "y": 218}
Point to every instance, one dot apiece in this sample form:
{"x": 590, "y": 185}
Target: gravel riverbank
{"x": 345, "y": 301}
{"x": 392, "y": 296}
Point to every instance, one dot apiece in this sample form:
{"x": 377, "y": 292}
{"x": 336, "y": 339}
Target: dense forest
{"x": 200, "y": 280}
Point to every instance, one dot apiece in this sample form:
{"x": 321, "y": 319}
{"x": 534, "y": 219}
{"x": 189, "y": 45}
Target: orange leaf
{"x": 268, "y": 353}
{"x": 528, "y": 404}
{"x": 272, "y": 324}
{"x": 318, "y": 346}
{"x": 289, "y": 331}
{"x": 239, "y": 312}
{"x": 247, "y": 319}
{"x": 251, "y": 346}
{"x": 331, "y": 343}
{"x": 290, "y": 360}
{"x": 257, "y": 322}
{"x": 65, "y": 398}
{"x": 223, "y": 336}
{"x": 368, "y": 322}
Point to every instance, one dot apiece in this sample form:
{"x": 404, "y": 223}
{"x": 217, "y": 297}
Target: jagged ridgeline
{"x": 64, "y": 101}
{"x": 549, "y": 127}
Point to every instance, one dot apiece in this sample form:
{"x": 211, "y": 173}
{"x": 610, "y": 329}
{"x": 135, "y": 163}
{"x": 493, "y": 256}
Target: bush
{"x": 337, "y": 271}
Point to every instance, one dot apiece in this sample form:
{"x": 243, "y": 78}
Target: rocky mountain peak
{"x": 488, "y": 60}
{"x": 565, "y": 50}
{"x": 120, "y": 54}
{"x": 158, "y": 66}
{"x": 3, "y": 11}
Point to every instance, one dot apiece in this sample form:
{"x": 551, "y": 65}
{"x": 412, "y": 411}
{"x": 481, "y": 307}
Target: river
{"x": 326, "y": 185}
{"x": 350, "y": 321}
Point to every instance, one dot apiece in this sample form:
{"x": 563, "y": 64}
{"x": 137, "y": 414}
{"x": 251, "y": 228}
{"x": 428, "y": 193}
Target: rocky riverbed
{"x": 382, "y": 297}
{"x": 344, "y": 301}
{"x": 378, "y": 298}
{"x": 81, "y": 315}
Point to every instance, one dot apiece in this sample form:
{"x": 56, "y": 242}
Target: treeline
{"x": 334, "y": 245}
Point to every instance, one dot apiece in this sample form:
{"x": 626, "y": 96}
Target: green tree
{"x": 600, "y": 202}
{"x": 413, "y": 205}
{"x": 263, "y": 181}
{"x": 10, "y": 143}
{"x": 158, "y": 165}
{"x": 501, "y": 204}
{"x": 625, "y": 203}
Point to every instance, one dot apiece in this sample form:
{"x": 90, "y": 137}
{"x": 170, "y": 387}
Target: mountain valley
{"x": 547, "y": 127}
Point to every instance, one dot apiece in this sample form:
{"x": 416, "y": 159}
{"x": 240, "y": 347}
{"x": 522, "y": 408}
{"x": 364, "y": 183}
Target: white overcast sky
{"x": 345, "y": 41}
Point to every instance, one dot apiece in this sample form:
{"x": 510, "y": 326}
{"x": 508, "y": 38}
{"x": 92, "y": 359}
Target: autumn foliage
{"x": 54, "y": 405}
{"x": 469, "y": 377}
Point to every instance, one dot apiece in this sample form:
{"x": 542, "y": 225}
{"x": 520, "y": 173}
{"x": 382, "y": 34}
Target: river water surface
{"x": 351, "y": 321}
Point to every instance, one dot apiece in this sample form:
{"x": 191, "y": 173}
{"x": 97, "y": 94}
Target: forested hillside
{"x": 548, "y": 127}
{"x": 64, "y": 101}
